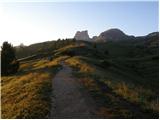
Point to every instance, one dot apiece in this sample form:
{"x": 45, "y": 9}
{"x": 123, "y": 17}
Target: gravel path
{"x": 69, "y": 100}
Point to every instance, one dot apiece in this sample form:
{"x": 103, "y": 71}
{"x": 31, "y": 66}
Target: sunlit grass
{"x": 27, "y": 94}
{"x": 21, "y": 96}
{"x": 136, "y": 94}
{"x": 76, "y": 62}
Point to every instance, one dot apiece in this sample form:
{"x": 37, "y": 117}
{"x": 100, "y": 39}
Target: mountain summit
{"x": 112, "y": 35}
{"x": 83, "y": 35}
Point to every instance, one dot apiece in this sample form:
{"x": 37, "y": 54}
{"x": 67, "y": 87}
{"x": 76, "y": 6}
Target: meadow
{"x": 27, "y": 94}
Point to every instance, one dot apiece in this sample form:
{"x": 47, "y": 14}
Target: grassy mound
{"x": 79, "y": 50}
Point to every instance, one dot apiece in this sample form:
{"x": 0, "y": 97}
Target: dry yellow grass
{"x": 77, "y": 63}
{"x": 135, "y": 94}
{"x": 21, "y": 97}
{"x": 89, "y": 84}
{"x": 27, "y": 93}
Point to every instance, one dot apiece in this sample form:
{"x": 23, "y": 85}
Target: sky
{"x": 33, "y": 22}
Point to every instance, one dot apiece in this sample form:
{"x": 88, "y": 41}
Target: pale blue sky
{"x": 32, "y": 22}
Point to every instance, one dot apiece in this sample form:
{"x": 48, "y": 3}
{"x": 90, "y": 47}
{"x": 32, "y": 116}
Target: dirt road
{"x": 69, "y": 100}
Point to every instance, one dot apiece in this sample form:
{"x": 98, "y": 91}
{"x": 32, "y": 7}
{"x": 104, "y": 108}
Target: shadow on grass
{"x": 110, "y": 104}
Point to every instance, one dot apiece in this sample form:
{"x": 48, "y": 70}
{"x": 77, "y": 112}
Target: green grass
{"x": 121, "y": 81}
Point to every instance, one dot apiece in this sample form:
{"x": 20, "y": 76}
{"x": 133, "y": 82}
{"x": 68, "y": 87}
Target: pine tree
{"x": 9, "y": 64}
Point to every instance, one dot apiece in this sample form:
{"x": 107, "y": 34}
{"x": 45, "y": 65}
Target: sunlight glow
{"x": 32, "y": 22}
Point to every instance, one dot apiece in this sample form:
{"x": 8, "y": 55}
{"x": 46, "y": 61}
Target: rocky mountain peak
{"x": 82, "y": 35}
{"x": 112, "y": 34}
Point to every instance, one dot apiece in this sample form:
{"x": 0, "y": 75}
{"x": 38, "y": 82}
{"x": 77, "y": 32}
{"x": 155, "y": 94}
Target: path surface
{"x": 69, "y": 100}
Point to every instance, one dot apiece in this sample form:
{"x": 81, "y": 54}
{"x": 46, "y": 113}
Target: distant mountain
{"x": 152, "y": 39}
{"x": 83, "y": 35}
{"x": 113, "y": 35}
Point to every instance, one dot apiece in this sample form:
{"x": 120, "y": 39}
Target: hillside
{"x": 47, "y": 47}
{"x": 127, "y": 71}
{"x": 27, "y": 93}
{"x": 121, "y": 77}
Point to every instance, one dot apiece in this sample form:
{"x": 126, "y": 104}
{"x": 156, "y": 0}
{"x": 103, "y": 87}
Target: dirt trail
{"x": 69, "y": 100}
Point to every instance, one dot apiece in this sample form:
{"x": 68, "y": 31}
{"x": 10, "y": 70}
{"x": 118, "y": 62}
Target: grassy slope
{"x": 117, "y": 86}
{"x": 112, "y": 89}
{"x": 119, "y": 90}
{"x": 27, "y": 94}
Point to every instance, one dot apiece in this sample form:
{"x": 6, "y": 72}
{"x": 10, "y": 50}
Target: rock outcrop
{"x": 83, "y": 35}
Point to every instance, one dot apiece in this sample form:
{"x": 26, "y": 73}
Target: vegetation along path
{"x": 69, "y": 100}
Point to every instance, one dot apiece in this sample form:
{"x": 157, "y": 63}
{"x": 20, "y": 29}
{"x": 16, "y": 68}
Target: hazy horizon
{"x": 33, "y": 22}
